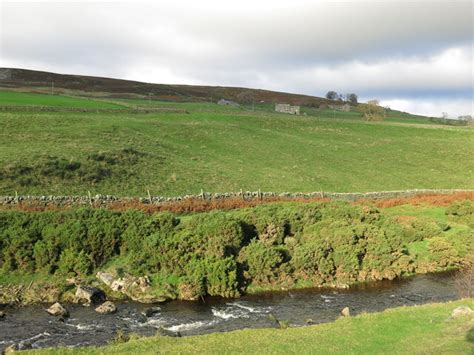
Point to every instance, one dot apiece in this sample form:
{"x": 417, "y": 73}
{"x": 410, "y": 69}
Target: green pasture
{"x": 182, "y": 153}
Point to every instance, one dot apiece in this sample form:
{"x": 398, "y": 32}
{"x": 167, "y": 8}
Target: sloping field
{"x": 10, "y": 98}
{"x": 171, "y": 154}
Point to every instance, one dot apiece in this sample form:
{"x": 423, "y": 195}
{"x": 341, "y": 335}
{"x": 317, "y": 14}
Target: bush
{"x": 313, "y": 260}
{"x": 443, "y": 253}
{"x": 260, "y": 262}
{"x": 72, "y": 263}
{"x": 216, "y": 234}
{"x": 221, "y": 277}
{"x": 463, "y": 208}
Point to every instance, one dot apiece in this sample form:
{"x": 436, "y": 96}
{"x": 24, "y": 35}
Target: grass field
{"x": 408, "y": 330}
{"x": 8, "y": 98}
{"x": 225, "y": 151}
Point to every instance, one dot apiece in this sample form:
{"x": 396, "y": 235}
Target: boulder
{"x": 136, "y": 288}
{"x": 2, "y": 314}
{"x": 10, "y": 349}
{"x": 57, "y": 310}
{"x": 71, "y": 281}
{"x": 118, "y": 285}
{"x": 151, "y": 311}
{"x": 346, "y": 312}
{"x": 461, "y": 311}
{"x": 106, "y": 308}
{"x": 106, "y": 277}
{"x": 89, "y": 294}
{"x": 167, "y": 333}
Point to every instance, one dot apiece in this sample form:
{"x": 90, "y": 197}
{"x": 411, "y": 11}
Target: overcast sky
{"x": 416, "y": 56}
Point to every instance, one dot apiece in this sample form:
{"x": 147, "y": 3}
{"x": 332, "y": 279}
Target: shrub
{"x": 462, "y": 208}
{"x": 443, "y": 253}
{"x": 260, "y": 262}
{"x": 72, "y": 263}
{"x": 313, "y": 260}
{"x": 221, "y": 277}
{"x": 216, "y": 234}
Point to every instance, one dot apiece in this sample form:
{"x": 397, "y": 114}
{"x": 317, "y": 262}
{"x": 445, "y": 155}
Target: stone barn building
{"x": 225, "y": 102}
{"x": 287, "y": 108}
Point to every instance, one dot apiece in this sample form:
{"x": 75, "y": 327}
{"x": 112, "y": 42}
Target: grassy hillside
{"x": 172, "y": 153}
{"x": 407, "y": 330}
{"x": 8, "y": 98}
{"x": 109, "y": 87}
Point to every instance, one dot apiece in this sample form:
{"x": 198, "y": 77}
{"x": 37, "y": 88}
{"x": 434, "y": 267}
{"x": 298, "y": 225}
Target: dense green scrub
{"x": 218, "y": 152}
{"x": 425, "y": 329}
{"x": 8, "y": 98}
{"x": 227, "y": 253}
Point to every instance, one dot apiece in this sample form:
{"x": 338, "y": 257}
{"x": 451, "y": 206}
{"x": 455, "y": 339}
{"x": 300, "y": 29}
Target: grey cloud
{"x": 308, "y": 47}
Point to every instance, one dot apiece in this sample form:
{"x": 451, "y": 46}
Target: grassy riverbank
{"x": 228, "y": 253}
{"x": 425, "y": 329}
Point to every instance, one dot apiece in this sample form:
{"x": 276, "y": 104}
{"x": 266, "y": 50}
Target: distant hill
{"x": 107, "y": 87}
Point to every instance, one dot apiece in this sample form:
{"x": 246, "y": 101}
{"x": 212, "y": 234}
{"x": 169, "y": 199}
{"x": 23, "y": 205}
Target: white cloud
{"x": 433, "y": 107}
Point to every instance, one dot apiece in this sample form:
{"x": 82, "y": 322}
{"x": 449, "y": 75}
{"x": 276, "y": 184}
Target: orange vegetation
{"x": 198, "y": 205}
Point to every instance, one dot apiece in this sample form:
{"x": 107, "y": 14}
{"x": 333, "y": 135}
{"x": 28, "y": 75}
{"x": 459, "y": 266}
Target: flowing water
{"x": 32, "y": 327}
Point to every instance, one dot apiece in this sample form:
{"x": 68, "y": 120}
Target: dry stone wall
{"x": 96, "y": 110}
{"x": 246, "y": 195}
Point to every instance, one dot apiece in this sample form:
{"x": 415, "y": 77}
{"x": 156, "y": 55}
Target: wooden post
{"x": 90, "y": 197}
{"x": 149, "y": 197}
{"x": 202, "y": 194}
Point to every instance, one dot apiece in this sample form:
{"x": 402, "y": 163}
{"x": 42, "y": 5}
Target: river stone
{"x": 346, "y": 312}
{"x": 10, "y": 349}
{"x": 2, "y": 314}
{"x": 89, "y": 294}
{"x": 106, "y": 308}
{"x": 57, "y": 310}
{"x": 167, "y": 333}
{"x": 106, "y": 277}
{"x": 151, "y": 311}
{"x": 461, "y": 311}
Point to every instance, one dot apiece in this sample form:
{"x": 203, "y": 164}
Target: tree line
{"x": 350, "y": 98}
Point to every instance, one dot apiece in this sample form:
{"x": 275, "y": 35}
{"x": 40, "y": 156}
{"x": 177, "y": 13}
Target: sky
{"x": 416, "y": 56}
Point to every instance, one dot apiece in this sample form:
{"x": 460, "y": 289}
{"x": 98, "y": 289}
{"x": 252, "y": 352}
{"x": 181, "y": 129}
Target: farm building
{"x": 225, "y": 102}
{"x": 287, "y": 108}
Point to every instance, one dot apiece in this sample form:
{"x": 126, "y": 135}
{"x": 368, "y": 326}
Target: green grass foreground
{"x": 425, "y": 329}
{"x": 172, "y": 154}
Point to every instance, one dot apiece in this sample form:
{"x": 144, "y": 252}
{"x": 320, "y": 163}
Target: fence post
{"x": 149, "y": 197}
{"x": 90, "y": 197}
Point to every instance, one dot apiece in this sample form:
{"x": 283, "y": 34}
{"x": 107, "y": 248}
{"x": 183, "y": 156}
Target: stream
{"x": 31, "y": 327}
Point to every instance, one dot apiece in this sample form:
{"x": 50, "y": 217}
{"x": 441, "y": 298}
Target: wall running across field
{"x": 98, "y": 200}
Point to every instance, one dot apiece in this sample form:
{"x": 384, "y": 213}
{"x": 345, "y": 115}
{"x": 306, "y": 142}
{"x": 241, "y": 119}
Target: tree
{"x": 372, "y": 111}
{"x": 352, "y": 98}
{"x": 331, "y": 95}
